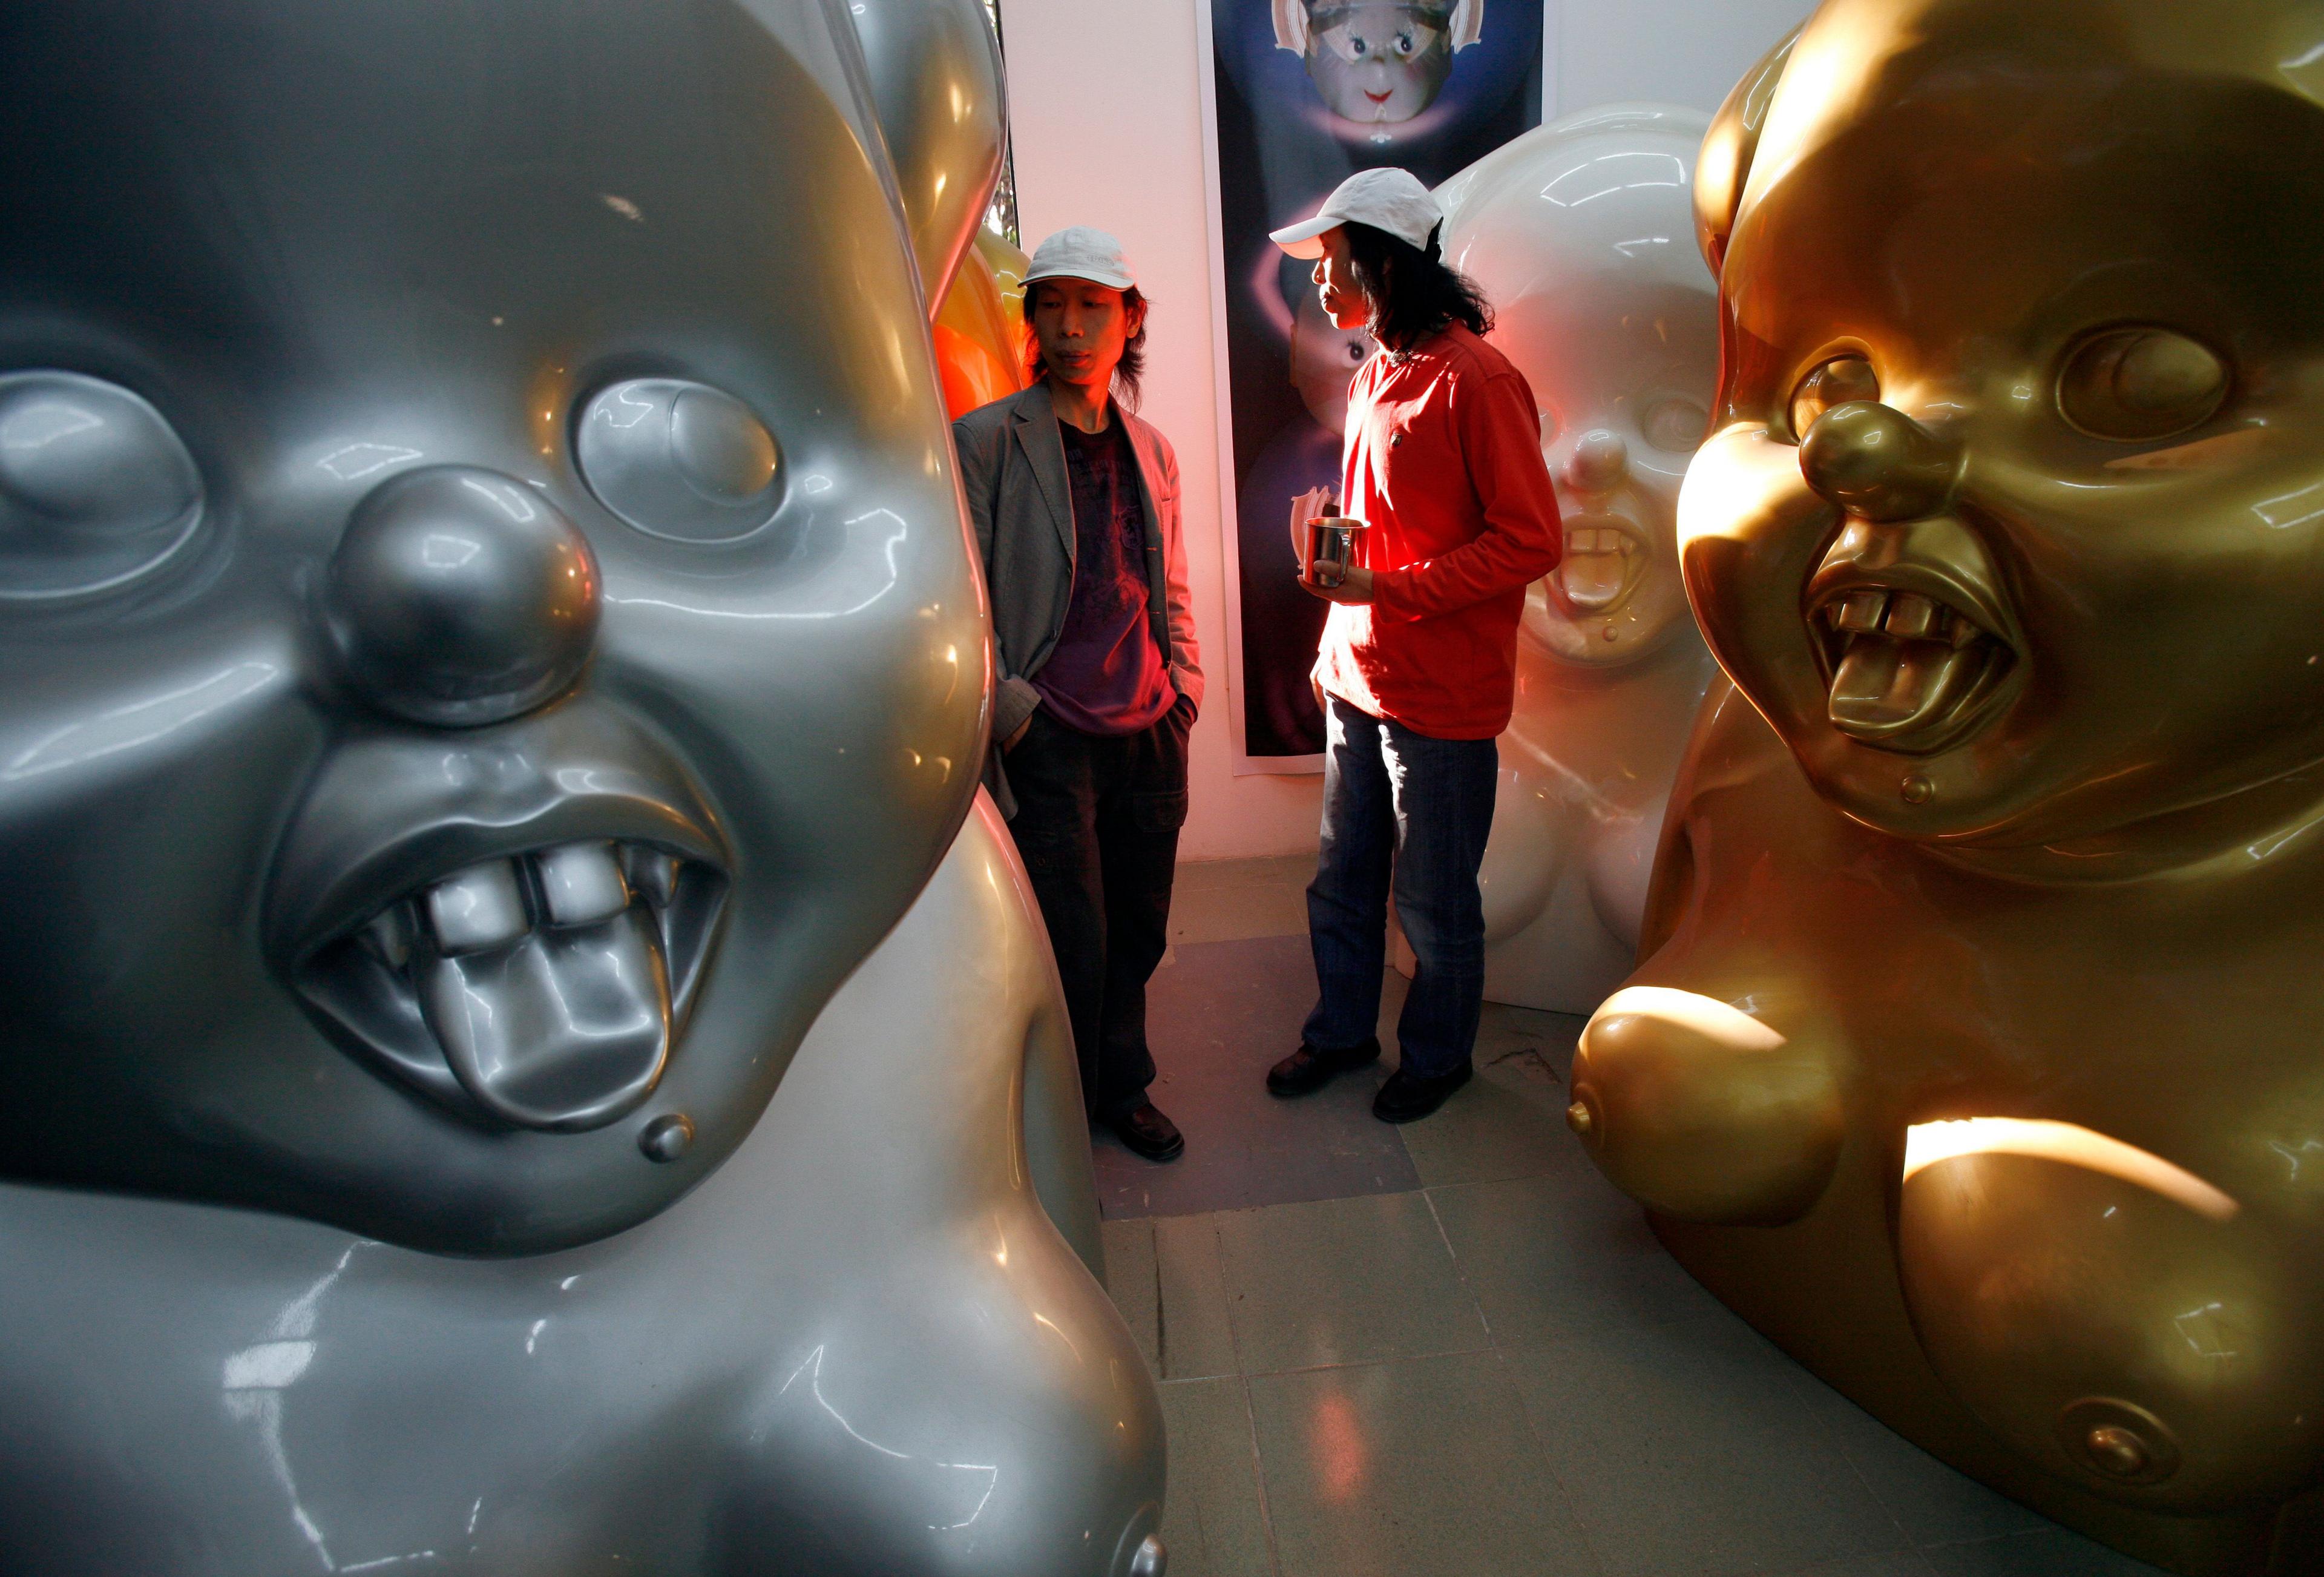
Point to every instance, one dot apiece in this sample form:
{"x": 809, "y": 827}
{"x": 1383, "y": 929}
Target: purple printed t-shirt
{"x": 1106, "y": 673}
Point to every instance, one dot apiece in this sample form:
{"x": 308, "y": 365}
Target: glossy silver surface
{"x": 490, "y": 647}
{"x": 369, "y": 272}
{"x": 679, "y": 459}
{"x": 937, "y": 84}
{"x": 860, "y": 1349}
{"x": 94, "y": 489}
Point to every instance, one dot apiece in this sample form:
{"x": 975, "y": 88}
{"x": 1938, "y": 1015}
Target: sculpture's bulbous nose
{"x": 1600, "y": 461}
{"x": 460, "y": 596}
{"x": 1877, "y": 463}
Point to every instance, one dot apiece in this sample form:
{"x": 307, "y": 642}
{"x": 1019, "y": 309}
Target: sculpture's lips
{"x": 1914, "y": 651}
{"x": 547, "y": 980}
{"x": 526, "y": 947}
{"x": 1603, "y": 560}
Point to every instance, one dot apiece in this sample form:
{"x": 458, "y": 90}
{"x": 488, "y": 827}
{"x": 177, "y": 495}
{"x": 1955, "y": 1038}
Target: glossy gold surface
{"x": 2010, "y": 535}
{"x": 978, "y": 331}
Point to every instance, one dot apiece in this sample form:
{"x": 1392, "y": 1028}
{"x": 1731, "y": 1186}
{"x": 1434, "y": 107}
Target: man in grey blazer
{"x": 1076, "y": 504}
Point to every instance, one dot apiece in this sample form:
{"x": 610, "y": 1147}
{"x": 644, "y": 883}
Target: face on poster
{"x": 1306, "y": 93}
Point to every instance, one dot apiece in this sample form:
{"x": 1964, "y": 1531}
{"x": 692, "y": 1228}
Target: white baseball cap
{"x": 1389, "y": 200}
{"x": 1080, "y": 252}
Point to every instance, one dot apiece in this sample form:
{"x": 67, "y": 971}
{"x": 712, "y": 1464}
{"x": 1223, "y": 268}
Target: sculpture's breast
{"x": 2086, "y": 1111}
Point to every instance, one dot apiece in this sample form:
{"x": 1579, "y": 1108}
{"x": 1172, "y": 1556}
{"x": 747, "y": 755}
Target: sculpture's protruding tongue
{"x": 1590, "y": 581}
{"x": 566, "y": 1029}
{"x": 1885, "y": 686}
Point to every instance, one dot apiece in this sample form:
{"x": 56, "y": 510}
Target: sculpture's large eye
{"x": 2133, "y": 385}
{"x": 680, "y": 460}
{"x": 94, "y": 489}
{"x": 1675, "y": 426}
{"x": 1842, "y": 381}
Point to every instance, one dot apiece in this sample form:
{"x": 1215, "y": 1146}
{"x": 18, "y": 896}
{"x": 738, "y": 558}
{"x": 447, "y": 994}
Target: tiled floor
{"x": 1453, "y": 1349}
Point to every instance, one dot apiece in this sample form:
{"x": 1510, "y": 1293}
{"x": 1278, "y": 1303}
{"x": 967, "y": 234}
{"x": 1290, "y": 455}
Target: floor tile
{"x": 1224, "y": 900}
{"x": 1211, "y": 1519}
{"x": 2052, "y": 1552}
{"x": 1510, "y": 1121}
{"x": 1563, "y": 1256}
{"x": 1931, "y": 1502}
{"x": 1549, "y": 1037}
{"x": 1343, "y": 1281}
{"x": 1217, "y": 1018}
{"x": 1193, "y": 1336}
{"x": 1418, "y": 1468}
{"x": 1687, "y": 1450}
{"x": 1130, "y": 1281}
{"x": 1492, "y": 1129}
{"x": 1897, "y": 1564}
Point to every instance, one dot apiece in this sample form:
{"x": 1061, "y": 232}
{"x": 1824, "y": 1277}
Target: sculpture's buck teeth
{"x": 479, "y": 907}
{"x": 1914, "y": 618}
{"x": 497, "y": 902}
{"x": 580, "y": 883}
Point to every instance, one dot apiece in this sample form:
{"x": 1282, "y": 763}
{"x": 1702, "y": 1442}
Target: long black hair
{"x": 1126, "y": 372}
{"x": 1411, "y": 293}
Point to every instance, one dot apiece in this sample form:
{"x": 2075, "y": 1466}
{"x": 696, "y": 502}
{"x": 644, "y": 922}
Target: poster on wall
{"x": 1299, "y": 95}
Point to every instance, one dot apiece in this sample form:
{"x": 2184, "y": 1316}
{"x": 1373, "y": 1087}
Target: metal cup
{"x": 1331, "y": 547}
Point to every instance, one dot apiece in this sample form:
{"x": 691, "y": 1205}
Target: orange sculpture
{"x": 980, "y": 329}
{"x": 1974, "y": 1053}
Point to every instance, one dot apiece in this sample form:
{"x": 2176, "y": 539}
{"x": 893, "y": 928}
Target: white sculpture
{"x": 1580, "y": 233}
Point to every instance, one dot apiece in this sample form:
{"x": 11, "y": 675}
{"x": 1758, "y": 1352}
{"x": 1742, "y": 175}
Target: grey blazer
{"x": 1012, "y": 467}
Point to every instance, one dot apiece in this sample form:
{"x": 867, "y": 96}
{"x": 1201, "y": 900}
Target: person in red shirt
{"x": 1417, "y": 669}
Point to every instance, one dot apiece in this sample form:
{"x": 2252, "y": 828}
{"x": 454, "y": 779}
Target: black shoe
{"x": 1311, "y": 1067}
{"x": 1150, "y": 1134}
{"x": 1405, "y": 1098}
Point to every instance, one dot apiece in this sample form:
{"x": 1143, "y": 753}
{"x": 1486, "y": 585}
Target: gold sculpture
{"x": 980, "y": 326}
{"x": 1976, "y": 1055}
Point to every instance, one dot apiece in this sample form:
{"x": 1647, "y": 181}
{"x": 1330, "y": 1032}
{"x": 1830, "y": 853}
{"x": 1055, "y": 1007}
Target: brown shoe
{"x": 1150, "y": 1134}
{"x": 1311, "y": 1067}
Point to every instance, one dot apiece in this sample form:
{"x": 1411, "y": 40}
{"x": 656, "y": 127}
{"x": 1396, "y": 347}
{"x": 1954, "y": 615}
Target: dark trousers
{"x": 1398, "y": 801}
{"x": 1097, "y": 822}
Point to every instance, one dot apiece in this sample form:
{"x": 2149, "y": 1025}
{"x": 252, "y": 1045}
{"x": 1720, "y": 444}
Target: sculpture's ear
{"x": 936, "y": 89}
{"x": 1468, "y": 23}
{"x": 1291, "y": 25}
{"x": 1724, "y": 165}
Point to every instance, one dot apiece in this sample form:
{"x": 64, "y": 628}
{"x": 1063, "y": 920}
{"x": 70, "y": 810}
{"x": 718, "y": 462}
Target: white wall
{"x": 1105, "y": 109}
{"x": 1679, "y": 51}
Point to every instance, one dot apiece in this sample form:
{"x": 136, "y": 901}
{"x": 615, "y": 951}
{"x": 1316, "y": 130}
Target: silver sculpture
{"x": 490, "y": 648}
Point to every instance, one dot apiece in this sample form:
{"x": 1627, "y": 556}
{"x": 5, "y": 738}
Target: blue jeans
{"x": 1398, "y": 801}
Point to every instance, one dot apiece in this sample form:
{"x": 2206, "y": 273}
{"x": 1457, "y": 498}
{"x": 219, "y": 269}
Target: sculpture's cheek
{"x": 2145, "y": 1344}
{"x": 1703, "y": 1111}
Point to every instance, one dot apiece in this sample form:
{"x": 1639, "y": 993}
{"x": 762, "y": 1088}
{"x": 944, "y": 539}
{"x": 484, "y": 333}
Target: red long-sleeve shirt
{"x": 1443, "y": 462}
